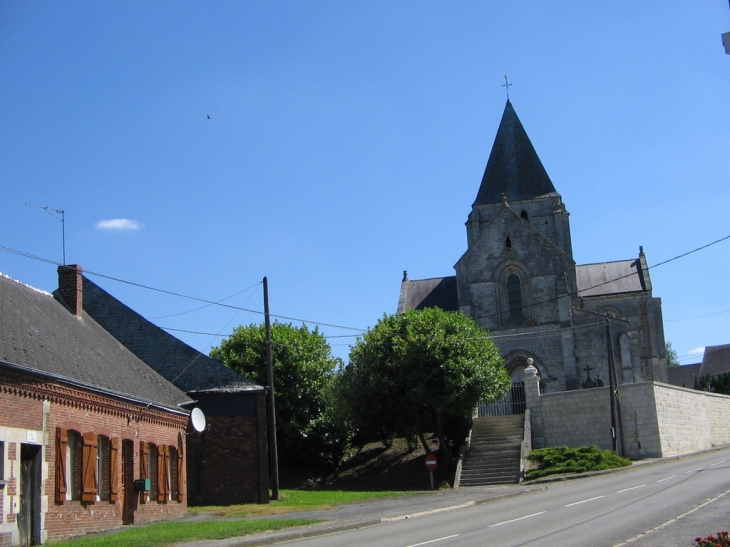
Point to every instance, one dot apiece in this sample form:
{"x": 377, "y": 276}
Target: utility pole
{"x": 273, "y": 457}
{"x": 616, "y": 419}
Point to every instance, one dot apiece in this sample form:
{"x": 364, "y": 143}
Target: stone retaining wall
{"x": 657, "y": 420}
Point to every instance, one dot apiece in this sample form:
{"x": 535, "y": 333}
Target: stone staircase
{"x": 493, "y": 456}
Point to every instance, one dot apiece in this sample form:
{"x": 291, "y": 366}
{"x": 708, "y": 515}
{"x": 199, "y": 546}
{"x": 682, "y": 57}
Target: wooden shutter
{"x": 90, "y": 480}
{"x": 61, "y": 479}
{"x": 113, "y": 469}
{"x": 163, "y": 472}
{"x": 180, "y": 481}
{"x": 144, "y": 455}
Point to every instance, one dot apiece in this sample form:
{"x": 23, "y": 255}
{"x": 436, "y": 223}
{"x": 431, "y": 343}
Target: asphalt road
{"x": 665, "y": 504}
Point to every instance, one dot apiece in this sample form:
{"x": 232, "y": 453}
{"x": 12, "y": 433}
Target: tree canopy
{"x": 304, "y": 374}
{"x": 417, "y": 371}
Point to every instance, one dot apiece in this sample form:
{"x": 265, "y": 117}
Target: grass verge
{"x": 170, "y": 533}
{"x": 293, "y": 500}
{"x": 163, "y": 534}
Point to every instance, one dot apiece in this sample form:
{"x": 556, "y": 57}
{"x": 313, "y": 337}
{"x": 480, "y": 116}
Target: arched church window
{"x": 508, "y": 243}
{"x": 524, "y": 216}
{"x": 514, "y": 292}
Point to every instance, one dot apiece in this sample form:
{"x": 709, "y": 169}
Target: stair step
{"x": 494, "y": 452}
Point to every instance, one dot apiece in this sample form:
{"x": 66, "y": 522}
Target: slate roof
{"x": 716, "y": 360}
{"x": 437, "y": 292}
{"x": 179, "y": 363}
{"x": 684, "y": 376}
{"x": 514, "y": 167}
{"x": 39, "y": 334}
{"x": 607, "y": 278}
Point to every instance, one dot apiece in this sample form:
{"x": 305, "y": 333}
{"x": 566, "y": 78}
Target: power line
{"x": 179, "y": 295}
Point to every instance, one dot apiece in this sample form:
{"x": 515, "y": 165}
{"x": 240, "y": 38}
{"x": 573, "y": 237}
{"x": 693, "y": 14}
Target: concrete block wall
{"x": 576, "y": 418}
{"x": 691, "y": 420}
{"x": 657, "y": 420}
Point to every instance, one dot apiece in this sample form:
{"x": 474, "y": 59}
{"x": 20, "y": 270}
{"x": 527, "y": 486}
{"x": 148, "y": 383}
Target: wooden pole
{"x": 273, "y": 456}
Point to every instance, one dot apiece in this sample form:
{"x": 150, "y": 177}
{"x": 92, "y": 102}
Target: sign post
{"x": 431, "y": 465}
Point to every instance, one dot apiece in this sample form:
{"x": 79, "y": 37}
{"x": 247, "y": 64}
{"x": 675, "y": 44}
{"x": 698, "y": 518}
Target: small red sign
{"x": 431, "y": 462}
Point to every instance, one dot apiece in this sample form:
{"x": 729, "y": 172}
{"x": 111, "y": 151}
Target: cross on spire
{"x": 506, "y": 84}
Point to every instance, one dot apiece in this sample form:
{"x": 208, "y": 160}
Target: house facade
{"x": 91, "y": 438}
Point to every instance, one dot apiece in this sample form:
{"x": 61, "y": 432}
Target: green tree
{"x": 304, "y": 374}
{"x": 672, "y": 357}
{"x": 421, "y": 371}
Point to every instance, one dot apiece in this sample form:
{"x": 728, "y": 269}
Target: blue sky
{"x": 346, "y": 143}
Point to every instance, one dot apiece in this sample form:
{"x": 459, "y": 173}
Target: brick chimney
{"x": 70, "y": 279}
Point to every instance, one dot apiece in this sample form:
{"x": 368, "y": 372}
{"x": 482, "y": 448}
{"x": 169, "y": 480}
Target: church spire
{"x": 513, "y": 167}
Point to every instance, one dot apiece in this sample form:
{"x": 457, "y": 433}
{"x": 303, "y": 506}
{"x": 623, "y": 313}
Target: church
{"x": 518, "y": 279}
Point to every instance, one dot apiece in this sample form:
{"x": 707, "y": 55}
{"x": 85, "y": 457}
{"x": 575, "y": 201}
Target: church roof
{"x": 607, "y": 278}
{"x": 513, "y": 168}
{"x": 437, "y": 292}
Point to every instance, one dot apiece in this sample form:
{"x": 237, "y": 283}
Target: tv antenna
{"x": 56, "y": 213}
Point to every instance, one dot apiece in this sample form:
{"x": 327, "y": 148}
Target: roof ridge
{"x": 31, "y": 287}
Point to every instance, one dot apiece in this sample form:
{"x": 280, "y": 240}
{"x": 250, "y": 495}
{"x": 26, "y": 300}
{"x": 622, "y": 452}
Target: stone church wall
{"x": 658, "y": 420}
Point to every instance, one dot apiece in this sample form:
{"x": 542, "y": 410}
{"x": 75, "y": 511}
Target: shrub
{"x": 564, "y": 460}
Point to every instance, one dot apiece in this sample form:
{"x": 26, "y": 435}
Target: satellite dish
{"x": 198, "y": 419}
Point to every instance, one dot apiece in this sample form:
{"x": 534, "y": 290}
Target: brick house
{"x": 81, "y": 419}
{"x": 228, "y": 462}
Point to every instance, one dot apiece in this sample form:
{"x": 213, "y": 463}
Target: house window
{"x": 103, "y": 468}
{"x": 73, "y": 466}
{"x": 514, "y": 292}
{"x": 174, "y": 477}
{"x": 152, "y": 470}
{"x": 508, "y": 243}
{"x": 2, "y": 460}
{"x": 525, "y": 216}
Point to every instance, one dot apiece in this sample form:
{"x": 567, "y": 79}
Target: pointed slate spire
{"x": 513, "y": 167}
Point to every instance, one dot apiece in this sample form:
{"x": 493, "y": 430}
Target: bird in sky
{"x": 209, "y": 116}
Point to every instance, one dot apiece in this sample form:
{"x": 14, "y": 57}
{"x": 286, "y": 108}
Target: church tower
{"x": 518, "y": 274}
{"x": 518, "y": 279}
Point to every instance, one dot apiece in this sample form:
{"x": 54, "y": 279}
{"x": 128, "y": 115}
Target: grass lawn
{"x": 170, "y": 533}
{"x": 294, "y": 500}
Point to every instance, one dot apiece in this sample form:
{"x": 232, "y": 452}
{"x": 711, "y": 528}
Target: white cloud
{"x": 118, "y": 224}
{"x": 696, "y": 351}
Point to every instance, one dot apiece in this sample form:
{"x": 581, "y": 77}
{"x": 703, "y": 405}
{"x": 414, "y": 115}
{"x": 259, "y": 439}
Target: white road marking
{"x": 708, "y": 502}
{"x": 515, "y": 520}
{"x": 430, "y": 512}
{"x": 693, "y": 470}
{"x": 662, "y": 480}
{"x": 632, "y": 488}
{"x": 434, "y": 540}
{"x": 718, "y": 463}
{"x": 584, "y": 501}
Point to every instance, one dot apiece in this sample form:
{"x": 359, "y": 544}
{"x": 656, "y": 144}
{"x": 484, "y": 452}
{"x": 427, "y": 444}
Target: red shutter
{"x": 89, "y": 481}
{"x": 113, "y": 469}
{"x": 163, "y": 459}
{"x": 180, "y": 481}
{"x": 61, "y": 444}
{"x": 144, "y": 454}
